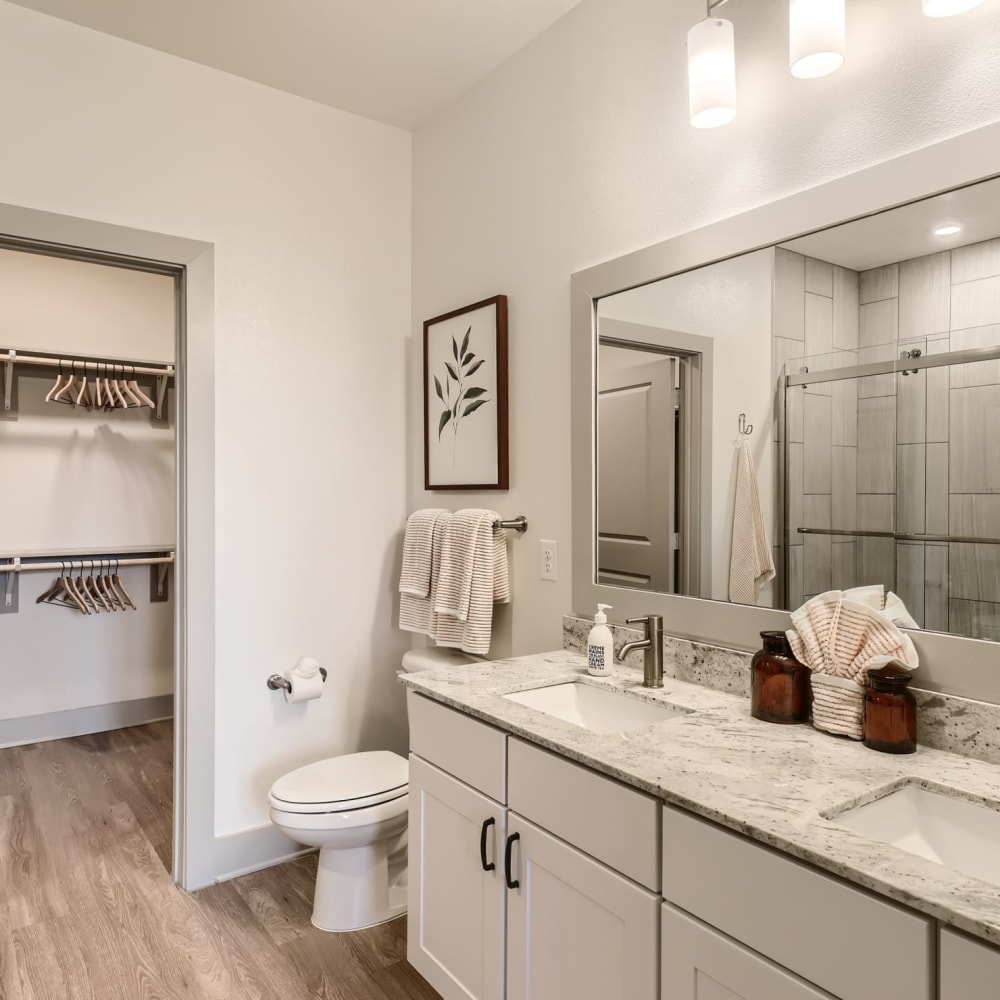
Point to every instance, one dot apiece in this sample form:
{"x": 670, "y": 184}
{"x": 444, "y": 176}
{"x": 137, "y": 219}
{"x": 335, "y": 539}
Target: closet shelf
{"x": 108, "y": 552}
{"x": 86, "y": 364}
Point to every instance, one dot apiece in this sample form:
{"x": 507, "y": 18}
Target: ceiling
{"x": 397, "y": 61}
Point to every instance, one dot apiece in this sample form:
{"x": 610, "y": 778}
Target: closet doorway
{"x": 89, "y": 351}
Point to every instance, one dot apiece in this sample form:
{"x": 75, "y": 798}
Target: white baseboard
{"x": 239, "y": 854}
{"x": 81, "y": 721}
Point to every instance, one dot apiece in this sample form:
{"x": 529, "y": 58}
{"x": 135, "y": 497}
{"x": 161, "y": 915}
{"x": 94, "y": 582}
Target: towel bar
{"x": 518, "y": 524}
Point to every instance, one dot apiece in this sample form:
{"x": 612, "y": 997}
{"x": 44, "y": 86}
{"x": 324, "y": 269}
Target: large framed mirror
{"x": 847, "y": 339}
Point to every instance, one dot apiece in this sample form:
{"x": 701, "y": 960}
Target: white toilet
{"x": 354, "y": 809}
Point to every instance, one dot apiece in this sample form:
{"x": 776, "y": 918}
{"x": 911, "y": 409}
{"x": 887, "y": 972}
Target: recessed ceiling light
{"x": 948, "y": 8}
{"x": 949, "y": 229}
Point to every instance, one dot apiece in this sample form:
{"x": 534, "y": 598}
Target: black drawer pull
{"x": 512, "y": 883}
{"x": 487, "y": 823}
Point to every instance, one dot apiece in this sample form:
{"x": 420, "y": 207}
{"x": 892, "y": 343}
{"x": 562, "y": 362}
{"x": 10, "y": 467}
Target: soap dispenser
{"x": 600, "y": 644}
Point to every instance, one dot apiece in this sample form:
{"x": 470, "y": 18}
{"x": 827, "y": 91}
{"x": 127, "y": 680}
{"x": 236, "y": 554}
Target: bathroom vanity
{"x": 563, "y": 844}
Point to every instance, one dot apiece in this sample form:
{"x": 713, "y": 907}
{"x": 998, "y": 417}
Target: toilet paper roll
{"x": 303, "y": 688}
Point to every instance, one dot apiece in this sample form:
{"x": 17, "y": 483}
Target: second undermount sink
{"x": 596, "y": 708}
{"x": 944, "y": 826}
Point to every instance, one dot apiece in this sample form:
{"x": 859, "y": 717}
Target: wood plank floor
{"x": 88, "y": 910}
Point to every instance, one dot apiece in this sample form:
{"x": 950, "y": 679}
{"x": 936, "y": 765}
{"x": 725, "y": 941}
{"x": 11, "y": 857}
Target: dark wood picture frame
{"x": 458, "y": 345}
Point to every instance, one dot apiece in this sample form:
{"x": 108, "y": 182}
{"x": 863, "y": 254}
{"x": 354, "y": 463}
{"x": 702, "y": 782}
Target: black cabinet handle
{"x": 487, "y": 823}
{"x": 512, "y": 883}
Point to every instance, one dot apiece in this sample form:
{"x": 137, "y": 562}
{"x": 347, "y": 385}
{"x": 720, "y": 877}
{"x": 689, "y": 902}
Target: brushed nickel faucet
{"x": 652, "y": 668}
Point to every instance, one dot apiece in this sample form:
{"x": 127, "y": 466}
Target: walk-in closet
{"x": 88, "y": 499}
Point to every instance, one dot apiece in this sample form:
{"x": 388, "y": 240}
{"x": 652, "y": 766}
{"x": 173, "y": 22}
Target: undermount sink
{"x": 947, "y": 827}
{"x": 596, "y": 708}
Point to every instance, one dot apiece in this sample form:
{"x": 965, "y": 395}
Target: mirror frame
{"x": 953, "y": 664}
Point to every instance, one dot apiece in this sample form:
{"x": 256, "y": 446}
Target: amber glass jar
{"x": 780, "y": 689}
{"x": 890, "y": 710}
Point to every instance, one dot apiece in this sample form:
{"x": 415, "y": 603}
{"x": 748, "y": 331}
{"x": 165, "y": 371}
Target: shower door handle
{"x": 483, "y": 834}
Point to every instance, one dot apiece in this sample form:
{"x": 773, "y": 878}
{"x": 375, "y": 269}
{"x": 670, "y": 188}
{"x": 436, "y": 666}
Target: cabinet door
{"x": 699, "y": 963}
{"x": 574, "y": 927}
{"x": 456, "y": 908}
{"x": 970, "y": 970}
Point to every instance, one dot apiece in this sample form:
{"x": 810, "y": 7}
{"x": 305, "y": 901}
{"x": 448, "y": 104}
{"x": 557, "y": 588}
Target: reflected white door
{"x": 636, "y": 489}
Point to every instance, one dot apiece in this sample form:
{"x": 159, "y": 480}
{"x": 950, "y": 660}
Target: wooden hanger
{"x": 95, "y": 590}
{"x": 83, "y": 396}
{"x": 117, "y": 581}
{"x": 61, "y": 595}
{"x": 58, "y": 397}
{"x": 109, "y": 591}
{"x": 57, "y": 386}
{"x": 143, "y": 399}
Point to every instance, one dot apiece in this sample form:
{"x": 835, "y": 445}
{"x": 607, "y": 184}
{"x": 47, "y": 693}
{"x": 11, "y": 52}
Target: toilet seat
{"x": 347, "y": 783}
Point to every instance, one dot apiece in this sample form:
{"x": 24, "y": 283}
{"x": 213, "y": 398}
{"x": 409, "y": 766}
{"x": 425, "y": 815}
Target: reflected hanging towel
{"x": 750, "y": 562}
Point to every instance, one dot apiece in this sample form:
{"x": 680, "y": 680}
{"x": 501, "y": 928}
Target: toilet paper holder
{"x": 278, "y": 683}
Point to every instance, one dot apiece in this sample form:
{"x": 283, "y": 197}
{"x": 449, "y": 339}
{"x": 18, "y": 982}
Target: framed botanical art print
{"x": 465, "y": 398}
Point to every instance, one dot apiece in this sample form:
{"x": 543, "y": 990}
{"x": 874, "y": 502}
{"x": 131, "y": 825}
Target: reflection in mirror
{"x": 867, "y": 357}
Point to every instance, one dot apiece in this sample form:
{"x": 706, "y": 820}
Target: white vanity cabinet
{"x": 700, "y": 963}
{"x": 970, "y": 970}
{"x": 530, "y": 876}
{"x": 457, "y": 829}
{"x": 575, "y": 928}
{"x": 810, "y": 925}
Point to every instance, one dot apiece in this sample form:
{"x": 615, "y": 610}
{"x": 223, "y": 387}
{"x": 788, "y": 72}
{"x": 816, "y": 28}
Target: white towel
{"x": 473, "y": 576}
{"x": 416, "y": 613}
{"x": 415, "y": 578}
{"x": 750, "y": 561}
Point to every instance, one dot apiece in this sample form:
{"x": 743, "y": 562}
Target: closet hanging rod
{"x": 126, "y": 367}
{"x": 82, "y": 563}
{"x": 518, "y": 524}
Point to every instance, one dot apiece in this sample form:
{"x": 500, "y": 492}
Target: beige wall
{"x": 578, "y": 150}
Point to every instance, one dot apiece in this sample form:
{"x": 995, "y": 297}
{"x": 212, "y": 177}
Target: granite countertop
{"x": 772, "y": 783}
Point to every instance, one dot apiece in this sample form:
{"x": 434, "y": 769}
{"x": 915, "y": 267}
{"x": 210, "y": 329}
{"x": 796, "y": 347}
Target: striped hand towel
{"x": 488, "y": 583}
{"x": 750, "y": 562}
{"x": 416, "y": 613}
{"x": 415, "y": 578}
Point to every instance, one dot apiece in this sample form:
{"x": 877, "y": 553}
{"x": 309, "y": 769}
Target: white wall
{"x": 309, "y": 213}
{"x": 730, "y": 303}
{"x": 76, "y": 481}
{"x": 578, "y": 150}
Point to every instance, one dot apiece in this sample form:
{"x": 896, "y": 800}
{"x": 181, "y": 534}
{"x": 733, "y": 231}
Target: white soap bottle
{"x": 600, "y": 644}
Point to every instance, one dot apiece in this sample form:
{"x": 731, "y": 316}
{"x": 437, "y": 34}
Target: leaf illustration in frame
{"x": 472, "y": 407}
{"x": 466, "y": 358}
{"x": 454, "y": 348}
{"x": 475, "y": 367}
{"x": 474, "y": 393}
{"x": 465, "y": 341}
{"x": 451, "y": 371}
{"x": 437, "y": 388}
{"x": 445, "y": 417}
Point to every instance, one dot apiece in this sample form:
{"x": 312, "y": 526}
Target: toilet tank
{"x": 432, "y": 657}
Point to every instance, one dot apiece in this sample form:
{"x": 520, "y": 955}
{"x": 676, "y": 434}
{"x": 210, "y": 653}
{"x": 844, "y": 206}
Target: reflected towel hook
{"x": 745, "y": 429}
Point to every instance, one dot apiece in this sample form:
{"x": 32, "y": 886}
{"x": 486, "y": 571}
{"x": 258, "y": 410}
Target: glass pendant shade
{"x": 711, "y": 73}
{"x": 945, "y": 8}
{"x": 816, "y": 36}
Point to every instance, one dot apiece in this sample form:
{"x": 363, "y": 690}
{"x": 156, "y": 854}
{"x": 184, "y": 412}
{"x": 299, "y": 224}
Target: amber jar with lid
{"x": 780, "y": 690}
{"x": 890, "y": 723}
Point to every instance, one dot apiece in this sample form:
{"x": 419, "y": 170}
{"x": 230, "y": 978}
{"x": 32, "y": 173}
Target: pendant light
{"x": 711, "y": 73}
{"x": 816, "y": 36}
{"x": 946, "y": 8}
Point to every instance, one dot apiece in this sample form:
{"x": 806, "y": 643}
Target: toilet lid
{"x": 351, "y": 781}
